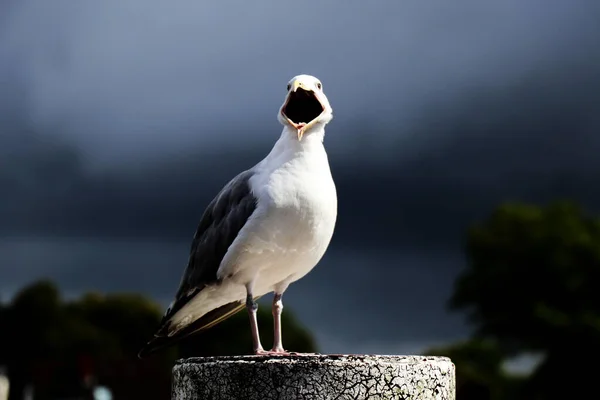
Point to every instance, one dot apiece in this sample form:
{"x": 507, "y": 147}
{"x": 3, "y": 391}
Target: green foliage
{"x": 533, "y": 271}
{"x": 531, "y": 286}
{"x": 112, "y": 313}
{"x": 53, "y": 342}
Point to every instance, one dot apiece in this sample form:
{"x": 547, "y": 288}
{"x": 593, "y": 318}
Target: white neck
{"x": 314, "y": 134}
{"x": 288, "y": 146}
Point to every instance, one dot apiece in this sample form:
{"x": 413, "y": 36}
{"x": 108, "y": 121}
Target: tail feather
{"x": 208, "y": 320}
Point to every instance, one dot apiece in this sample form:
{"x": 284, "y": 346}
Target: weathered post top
{"x": 314, "y": 377}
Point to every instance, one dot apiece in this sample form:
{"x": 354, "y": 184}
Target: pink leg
{"x": 252, "y": 307}
{"x": 277, "y": 309}
{"x": 277, "y": 339}
{"x": 278, "y": 349}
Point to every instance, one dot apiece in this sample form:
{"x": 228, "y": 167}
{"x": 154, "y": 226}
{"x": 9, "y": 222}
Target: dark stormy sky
{"x": 120, "y": 120}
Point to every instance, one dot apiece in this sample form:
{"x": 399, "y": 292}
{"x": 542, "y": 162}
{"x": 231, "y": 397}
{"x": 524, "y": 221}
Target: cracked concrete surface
{"x": 315, "y": 377}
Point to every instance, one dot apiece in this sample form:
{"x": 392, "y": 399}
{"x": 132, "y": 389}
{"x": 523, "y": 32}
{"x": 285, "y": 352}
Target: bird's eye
{"x": 289, "y": 87}
{"x": 319, "y": 86}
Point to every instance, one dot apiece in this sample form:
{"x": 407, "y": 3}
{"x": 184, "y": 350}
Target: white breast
{"x": 294, "y": 220}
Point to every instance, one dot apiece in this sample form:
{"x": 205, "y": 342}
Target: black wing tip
{"x": 162, "y": 340}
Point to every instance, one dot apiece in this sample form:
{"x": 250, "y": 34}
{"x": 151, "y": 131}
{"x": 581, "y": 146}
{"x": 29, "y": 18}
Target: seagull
{"x": 268, "y": 227}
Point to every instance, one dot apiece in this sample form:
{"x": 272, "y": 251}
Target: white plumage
{"x": 286, "y": 209}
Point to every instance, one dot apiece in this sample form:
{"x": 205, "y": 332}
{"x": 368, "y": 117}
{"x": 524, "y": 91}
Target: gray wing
{"x": 220, "y": 224}
{"x": 223, "y": 219}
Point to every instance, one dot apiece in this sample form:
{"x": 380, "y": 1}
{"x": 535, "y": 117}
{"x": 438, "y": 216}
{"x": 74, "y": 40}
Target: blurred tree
{"x": 64, "y": 348}
{"x": 34, "y": 323}
{"x": 106, "y": 334}
{"x": 531, "y": 285}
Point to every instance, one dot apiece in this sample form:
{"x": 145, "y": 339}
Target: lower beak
{"x": 307, "y": 127}
{"x": 300, "y": 128}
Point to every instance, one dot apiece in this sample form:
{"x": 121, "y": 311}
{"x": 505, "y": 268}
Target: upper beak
{"x": 296, "y": 85}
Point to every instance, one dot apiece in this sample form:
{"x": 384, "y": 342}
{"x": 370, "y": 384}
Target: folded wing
{"x": 220, "y": 224}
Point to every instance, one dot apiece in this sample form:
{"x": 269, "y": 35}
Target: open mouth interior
{"x": 302, "y": 107}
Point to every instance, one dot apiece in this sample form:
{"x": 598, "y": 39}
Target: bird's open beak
{"x": 303, "y": 106}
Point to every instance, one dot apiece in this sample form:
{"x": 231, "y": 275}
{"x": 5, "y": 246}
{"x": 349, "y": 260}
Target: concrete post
{"x": 315, "y": 377}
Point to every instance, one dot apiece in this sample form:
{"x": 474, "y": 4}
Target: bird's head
{"x": 305, "y": 106}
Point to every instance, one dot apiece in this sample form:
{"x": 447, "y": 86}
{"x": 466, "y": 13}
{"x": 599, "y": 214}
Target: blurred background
{"x": 464, "y": 148}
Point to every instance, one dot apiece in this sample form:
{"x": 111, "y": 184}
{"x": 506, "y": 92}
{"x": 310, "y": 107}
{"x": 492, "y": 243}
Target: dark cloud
{"x": 133, "y": 82}
{"x": 534, "y": 140}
